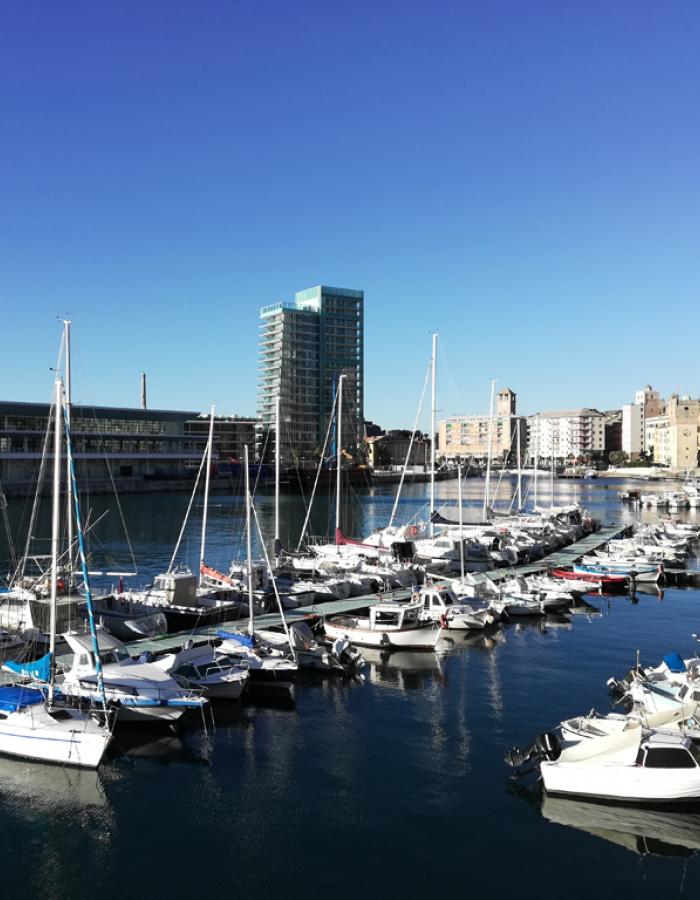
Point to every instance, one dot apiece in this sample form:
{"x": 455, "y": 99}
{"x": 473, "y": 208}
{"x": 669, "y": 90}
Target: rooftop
{"x": 567, "y": 413}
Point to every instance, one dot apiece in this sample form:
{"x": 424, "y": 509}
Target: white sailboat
{"x": 33, "y": 725}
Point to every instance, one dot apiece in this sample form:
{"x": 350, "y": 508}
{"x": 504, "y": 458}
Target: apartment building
{"x": 304, "y": 348}
{"x": 467, "y": 437}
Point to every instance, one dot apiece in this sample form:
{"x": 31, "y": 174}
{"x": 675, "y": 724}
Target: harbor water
{"x": 395, "y": 785}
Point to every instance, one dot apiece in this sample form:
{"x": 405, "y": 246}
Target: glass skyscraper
{"x": 304, "y": 347}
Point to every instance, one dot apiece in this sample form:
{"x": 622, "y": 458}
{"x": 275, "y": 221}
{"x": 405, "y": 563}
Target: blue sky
{"x": 521, "y": 177}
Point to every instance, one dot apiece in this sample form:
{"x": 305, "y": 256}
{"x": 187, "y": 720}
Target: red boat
{"x": 609, "y": 581}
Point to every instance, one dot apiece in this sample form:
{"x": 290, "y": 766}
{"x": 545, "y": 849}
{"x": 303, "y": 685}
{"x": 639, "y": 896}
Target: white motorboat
{"x": 442, "y": 605}
{"x": 390, "y": 625}
{"x": 202, "y": 668}
{"x": 637, "y": 765}
{"x": 140, "y": 691}
{"x": 268, "y": 668}
{"x": 633, "y": 568}
{"x": 325, "y": 656}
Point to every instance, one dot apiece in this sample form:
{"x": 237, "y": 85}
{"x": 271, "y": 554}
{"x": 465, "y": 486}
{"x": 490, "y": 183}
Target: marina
{"x": 461, "y": 705}
{"x": 331, "y": 563}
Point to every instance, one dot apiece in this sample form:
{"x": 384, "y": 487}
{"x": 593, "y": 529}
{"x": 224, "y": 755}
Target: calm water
{"x": 394, "y": 785}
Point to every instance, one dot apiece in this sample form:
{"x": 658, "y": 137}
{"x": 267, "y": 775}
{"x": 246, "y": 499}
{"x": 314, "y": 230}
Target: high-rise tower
{"x": 304, "y": 346}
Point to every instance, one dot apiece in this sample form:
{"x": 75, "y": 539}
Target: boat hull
{"x": 625, "y": 783}
{"x": 423, "y": 638}
{"x": 77, "y": 741}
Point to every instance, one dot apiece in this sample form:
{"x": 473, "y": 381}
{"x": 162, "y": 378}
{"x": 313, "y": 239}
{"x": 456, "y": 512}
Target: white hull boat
{"x": 390, "y": 625}
{"x": 33, "y": 730}
{"x": 636, "y": 766}
{"x": 202, "y": 668}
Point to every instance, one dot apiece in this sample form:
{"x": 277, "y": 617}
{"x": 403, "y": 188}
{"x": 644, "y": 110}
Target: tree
{"x": 619, "y": 458}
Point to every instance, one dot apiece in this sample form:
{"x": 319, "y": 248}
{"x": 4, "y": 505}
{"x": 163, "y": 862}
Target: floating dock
{"x": 172, "y": 643}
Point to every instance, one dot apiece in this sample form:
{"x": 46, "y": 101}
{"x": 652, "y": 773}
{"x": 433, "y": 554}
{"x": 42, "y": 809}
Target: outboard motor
{"x": 547, "y": 746}
{"x": 620, "y": 687}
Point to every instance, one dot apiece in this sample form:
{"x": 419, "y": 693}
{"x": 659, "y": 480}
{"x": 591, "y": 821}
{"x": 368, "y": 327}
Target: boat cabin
{"x": 394, "y": 616}
{"x": 668, "y": 751}
{"x": 175, "y": 589}
{"x": 112, "y": 652}
{"x": 436, "y": 599}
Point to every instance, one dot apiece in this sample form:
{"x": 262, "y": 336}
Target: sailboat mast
{"x": 488, "y": 456}
{"x": 249, "y": 545}
{"x": 69, "y": 481}
{"x": 207, "y": 476}
{"x": 551, "y": 476}
{"x": 520, "y": 468}
{"x": 55, "y": 526}
{"x": 83, "y": 563}
{"x": 537, "y": 456}
{"x": 278, "y": 435}
{"x": 461, "y": 536}
{"x": 433, "y": 398}
{"x": 339, "y": 452}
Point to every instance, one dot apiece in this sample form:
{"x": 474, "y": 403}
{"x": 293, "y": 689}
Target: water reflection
{"x": 643, "y": 831}
{"x": 28, "y": 788}
{"x": 403, "y": 670}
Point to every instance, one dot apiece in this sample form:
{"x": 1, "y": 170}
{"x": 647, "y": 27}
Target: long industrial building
{"x": 137, "y": 448}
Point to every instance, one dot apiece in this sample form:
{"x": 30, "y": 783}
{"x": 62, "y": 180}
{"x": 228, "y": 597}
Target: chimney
{"x": 143, "y": 391}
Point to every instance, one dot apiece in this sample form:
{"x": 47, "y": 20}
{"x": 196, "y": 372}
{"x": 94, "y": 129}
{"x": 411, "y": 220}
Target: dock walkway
{"x": 171, "y": 643}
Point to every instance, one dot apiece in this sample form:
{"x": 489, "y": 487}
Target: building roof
{"x": 567, "y": 413}
{"x": 17, "y": 408}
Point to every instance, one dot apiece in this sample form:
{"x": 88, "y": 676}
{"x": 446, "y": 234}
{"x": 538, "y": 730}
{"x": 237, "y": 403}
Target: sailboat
{"x": 267, "y": 666}
{"x": 34, "y": 724}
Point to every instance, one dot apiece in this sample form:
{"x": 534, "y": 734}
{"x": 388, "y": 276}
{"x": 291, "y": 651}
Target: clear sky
{"x": 522, "y": 177}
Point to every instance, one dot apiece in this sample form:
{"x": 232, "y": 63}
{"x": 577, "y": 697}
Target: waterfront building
{"x": 566, "y": 433}
{"x": 650, "y": 401}
{"x": 304, "y": 347}
{"x": 391, "y": 449}
{"x": 647, "y": 404}
{"x": 657, "y": 439}
{"x": 673, "y": 439}
{"x": 633, "y": 429}
{"x": 467, "y": 437}
{"x": 135, "y": 447}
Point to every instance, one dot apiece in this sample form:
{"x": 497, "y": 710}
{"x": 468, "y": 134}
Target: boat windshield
{"x": 113, "y": 655}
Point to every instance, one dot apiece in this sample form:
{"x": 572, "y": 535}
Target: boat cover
{"x": 674, "y": 662}
{"x": 14, "y": 698}
{"x": 39, "y": 670}
{"x": 245, "y": 639}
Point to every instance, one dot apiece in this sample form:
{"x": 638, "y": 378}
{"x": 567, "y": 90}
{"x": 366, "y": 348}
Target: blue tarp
{"x": 14, "y": 698}
{"x": 39, "y": 670}
{"x": 674, "y": 661}
{"x": 245, "y": 639}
